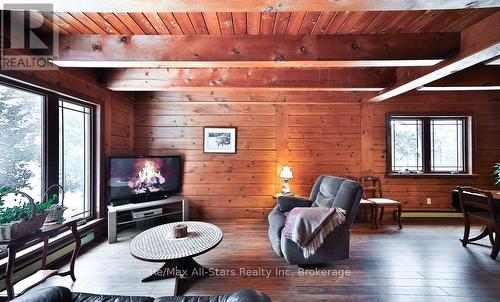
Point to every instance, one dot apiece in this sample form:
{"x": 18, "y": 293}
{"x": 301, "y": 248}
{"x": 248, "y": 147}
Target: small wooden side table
{"x": 44, "y": 233}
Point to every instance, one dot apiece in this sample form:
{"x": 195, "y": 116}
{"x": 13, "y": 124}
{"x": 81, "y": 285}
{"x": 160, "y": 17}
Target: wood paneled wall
{"x": 274, "y": 129}
{"x": 122, "y": 126}
{"x": 315, "y": 133}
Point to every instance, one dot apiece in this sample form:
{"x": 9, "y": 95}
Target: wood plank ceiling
{"x": 266, "y": 23}
{"x": 87, "y": 41}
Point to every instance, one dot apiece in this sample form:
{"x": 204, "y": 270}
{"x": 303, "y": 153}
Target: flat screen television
{"x": 140, "y": 179}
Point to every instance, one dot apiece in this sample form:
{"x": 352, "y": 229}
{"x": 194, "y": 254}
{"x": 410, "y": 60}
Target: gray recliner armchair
{"x": 328, "y": 191}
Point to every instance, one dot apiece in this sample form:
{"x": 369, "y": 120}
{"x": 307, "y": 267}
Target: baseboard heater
{"x": 432, "y": 214}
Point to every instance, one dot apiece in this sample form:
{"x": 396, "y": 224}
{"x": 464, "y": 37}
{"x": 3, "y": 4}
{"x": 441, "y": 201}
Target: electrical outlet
{"x": 429, "y": 200}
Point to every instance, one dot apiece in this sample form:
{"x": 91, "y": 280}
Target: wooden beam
{"x": 255, "y": 51}
{"x": 479, "y": 43}
{"x": 256, "y": 5}
{"x": 246, "y": 64}
{"x": 482, "y": 77}
{"x": 459, "y": 88}
{"x": 269, "y": 79}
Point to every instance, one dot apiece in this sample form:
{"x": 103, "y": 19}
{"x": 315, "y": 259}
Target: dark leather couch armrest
{"x": 286, "y": 203}
{"x": 243, "y": 295}
{"x": 248, "y": 295}
{"x": 48, "y": 294}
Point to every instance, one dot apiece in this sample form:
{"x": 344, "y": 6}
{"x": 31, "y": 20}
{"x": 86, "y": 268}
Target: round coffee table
{"x": 158, "y": 244}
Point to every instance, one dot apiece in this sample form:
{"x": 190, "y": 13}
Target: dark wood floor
{"x": 423, "y": 262}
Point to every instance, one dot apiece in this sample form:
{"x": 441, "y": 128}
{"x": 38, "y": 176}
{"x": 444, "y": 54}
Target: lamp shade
{"x": 286, "y": 173}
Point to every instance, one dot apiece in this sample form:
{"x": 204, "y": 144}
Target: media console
{"x": 135, "y": 212}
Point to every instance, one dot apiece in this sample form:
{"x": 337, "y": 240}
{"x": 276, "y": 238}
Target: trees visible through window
{"x": 428, "y": 144}
{"x": 447, "y": 144}
{"x": 21, "y": 130}
{"x": 406, "y": 137}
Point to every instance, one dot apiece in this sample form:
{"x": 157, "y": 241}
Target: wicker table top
{"x": 159, "y": 244}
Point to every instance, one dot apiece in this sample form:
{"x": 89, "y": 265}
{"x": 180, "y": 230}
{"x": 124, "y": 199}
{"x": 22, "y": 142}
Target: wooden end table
{"x": 159, "y": 245}
{"x": 44, "y": 233}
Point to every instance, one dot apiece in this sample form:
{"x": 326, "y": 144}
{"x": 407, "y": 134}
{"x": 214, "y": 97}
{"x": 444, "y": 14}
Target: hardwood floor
{"x": 423, "y": 262}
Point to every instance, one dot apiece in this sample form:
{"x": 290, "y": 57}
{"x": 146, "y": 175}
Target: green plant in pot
{"x": 496, "y": 172}
{"x": 14, "y": 213}
{"x": 22, "y": 218}
{"x": 26, "y": 216}
{"x": 24, "y": 210}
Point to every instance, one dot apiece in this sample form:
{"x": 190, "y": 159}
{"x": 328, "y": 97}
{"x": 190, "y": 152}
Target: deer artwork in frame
{"x": 219, "y": 140}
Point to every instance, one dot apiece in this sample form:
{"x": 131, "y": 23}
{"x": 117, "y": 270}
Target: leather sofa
{"x": 62, "y": 294}
{"x": 328, "y": 191}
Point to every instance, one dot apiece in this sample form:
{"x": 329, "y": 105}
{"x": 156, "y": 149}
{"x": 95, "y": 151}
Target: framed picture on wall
{"x": 219, "y": 140}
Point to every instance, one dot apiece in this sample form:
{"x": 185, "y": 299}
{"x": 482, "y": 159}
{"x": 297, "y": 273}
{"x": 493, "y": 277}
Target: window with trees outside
{"x": 429, "y": 144}
{"x": 34, "y": 125}
{"x": 75, "y": 155}
{"x": 21, "y": 134}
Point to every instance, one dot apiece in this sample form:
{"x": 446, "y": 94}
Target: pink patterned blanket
{"x": 308, "y": 227}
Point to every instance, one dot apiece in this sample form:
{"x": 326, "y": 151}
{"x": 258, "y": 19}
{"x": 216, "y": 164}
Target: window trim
{"x": 469, "y": 143}
{"x": 50, "y": 139}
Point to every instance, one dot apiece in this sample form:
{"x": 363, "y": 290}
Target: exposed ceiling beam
{"x": 458, "y": 88}
{"x": 248, "y": 89}
{"x": 481, "y": 77}
{"x": 479, "y": 43}
{"x": 255, "y": 5}
{"x": 246, "y": 64}
{"x": 357, "y": 50}
{"x": 251, "y": 79}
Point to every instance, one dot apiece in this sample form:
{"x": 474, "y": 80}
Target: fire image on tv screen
{"x": 135, "y": 177}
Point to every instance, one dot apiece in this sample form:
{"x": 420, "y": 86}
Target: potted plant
{"x": 25, "y": 218}
{"x": 20, "y": 220}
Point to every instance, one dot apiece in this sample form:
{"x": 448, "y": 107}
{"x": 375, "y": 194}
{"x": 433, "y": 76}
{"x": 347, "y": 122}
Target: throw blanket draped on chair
{"x": 308, "y": 227}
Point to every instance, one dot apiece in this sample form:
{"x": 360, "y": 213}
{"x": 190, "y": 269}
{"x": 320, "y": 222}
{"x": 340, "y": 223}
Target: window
{"x": 34, "y": 125}
{"x": 75, "y": 150}
{"x": 447, "y": 144}
{"x": 406, "y": 138}
{"x": 21, "y": 114}
{"x": 429, "y": 144}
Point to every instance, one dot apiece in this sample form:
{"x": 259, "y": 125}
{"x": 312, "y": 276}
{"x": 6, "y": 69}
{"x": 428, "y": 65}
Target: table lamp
{"x": 286, "y": 174}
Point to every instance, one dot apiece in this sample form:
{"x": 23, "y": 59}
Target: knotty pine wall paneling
{"x": 308, "y": 131}
{"x": 315, "y": 133}
{"x": 217, "y": 185}
{"x": 323, "y": 139}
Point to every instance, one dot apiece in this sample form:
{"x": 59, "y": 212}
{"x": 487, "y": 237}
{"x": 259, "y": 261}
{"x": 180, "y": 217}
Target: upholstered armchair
{"x": 328, "y": 191}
